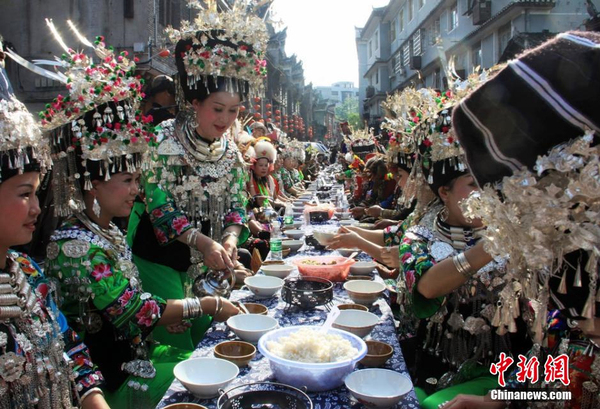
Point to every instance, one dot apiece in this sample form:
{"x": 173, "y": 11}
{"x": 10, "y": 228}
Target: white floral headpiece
{"x": 239, "y": 47}
{"x": 21, "y": 140}
{"x": 98, "y": 120}
{"x": 361, "y": 141}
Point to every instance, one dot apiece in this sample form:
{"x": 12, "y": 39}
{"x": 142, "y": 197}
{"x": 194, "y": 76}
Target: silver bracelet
{"x": 221, "y": 305}
{"x": 227, "y": 234}
{"x": 192, "y": 308}
{"x": 462, "y": 265}
{"x": 217, "y": 306}
{"x": 192, "y": 237}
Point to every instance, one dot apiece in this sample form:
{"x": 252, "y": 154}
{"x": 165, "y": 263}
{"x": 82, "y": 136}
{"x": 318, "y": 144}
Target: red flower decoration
{"x": 148, "y": 313}
{"x": 127, "y": 295}
{"x": 179, "y": 223}
{"x": 102, "y": 271}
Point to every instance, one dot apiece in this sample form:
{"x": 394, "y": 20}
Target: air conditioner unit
{"x": 415, "y": 62}
{"x": 370, "y": 91}
{"x": 482, "y": 12}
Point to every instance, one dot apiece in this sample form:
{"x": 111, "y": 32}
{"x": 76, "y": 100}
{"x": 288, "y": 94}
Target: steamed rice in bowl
{"x": 336, "y": 358}
{"x": 310, "y": 346}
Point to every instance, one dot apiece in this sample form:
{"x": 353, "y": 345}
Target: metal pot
{"x": 214, "y": 283}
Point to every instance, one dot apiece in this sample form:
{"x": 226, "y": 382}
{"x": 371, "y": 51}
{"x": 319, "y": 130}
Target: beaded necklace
{"x": 459, "y": 237}
{"x": 203, "y": 185}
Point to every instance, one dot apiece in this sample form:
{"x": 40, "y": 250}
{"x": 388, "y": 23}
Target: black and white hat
{"x": 547, "y": 96}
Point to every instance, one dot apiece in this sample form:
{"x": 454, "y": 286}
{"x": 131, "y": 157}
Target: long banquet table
{"x": 259, "y": 369}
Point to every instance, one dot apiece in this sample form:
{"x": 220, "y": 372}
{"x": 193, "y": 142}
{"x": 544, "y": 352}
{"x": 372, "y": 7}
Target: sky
{"x": 321, "y": 34}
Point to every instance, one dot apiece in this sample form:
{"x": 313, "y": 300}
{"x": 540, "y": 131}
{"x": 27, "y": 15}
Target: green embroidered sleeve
{"x": 415, "y": 260}
{"x": 168, "y": 221}
{"x": 237, "y": 216}
{"x": 97, "y": 276}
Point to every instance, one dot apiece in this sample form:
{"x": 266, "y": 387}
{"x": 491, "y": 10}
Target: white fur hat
{"x": 265, "y": 149}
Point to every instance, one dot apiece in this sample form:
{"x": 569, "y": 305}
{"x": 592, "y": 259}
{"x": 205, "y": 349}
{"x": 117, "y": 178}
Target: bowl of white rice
{"x": 304, "y": 356}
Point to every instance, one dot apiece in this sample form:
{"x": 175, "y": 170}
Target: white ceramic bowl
{"x": 378, "y": 388}
{"x": 324, "y": 238}
{"x": 205, "y": 376}
{"x": 278, "y": 270}
{"x": 315, "y": 377}
{"x": 294, "y": 234}
{"x": 362, "y": 268}
{"x": 364, "y": 292}
{"x": 359, "y": 323}
{"x": 263, "y": 286}
{"x": 294, "y": 226}
{"x": 250, "y": 327}
{"x": 346, "y": 252}
{"x": 293, "y": 245}
{"x": 298, "y": 209}
{"x": 348, "y": 222}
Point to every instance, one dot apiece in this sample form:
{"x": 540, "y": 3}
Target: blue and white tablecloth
{"x": 259, "y": 370}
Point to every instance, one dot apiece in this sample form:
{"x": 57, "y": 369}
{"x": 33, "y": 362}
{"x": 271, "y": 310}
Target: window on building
{"x": 335, "y": 93}
{"x": 397, "y": 61}
{"x": 476, "y": 56}
{"x": 421, "y": 3}
{"x": 377, "y": 77}
{"x": 401, "y": 21}
{"x": 393, "y": 30}
{"x": 406, "y": 53}
{"x": 417, "y": 42}
{"x": 370, "y": 49}
{"x": 128, "y": 9}
{"x": 504, "y": 36}
{"x": 169, "y": 13}
{"x": 453, "y": 17}
{"x": 376, "y": 40}
{"x": 411, "y": 4}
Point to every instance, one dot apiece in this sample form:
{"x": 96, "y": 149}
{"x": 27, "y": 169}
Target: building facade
{"x": 411, "y": 42}
{"x": 135, "y": 26}
{"x": 338, "y": 92}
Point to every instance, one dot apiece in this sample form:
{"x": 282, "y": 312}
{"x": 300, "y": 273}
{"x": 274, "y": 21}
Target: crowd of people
{"x": 483, "y": 205}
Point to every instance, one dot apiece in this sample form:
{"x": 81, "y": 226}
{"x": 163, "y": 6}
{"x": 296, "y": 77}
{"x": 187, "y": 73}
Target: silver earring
{"x": 96, "y": 207}
{"x": 444, "y": 213}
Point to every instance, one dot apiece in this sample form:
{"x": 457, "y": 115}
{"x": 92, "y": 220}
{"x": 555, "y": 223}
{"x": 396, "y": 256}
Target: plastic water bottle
{"x": 275, "y": 242}
{"x": 288, "y": 219}
{"x": 344, "y": 205}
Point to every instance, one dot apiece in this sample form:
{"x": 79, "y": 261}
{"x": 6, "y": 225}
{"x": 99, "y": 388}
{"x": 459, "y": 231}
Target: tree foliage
{"x": 348, "y": 111}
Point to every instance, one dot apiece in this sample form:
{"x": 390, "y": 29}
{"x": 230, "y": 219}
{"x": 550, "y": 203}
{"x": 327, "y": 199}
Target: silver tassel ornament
{"x": 562, "y": 288}
{"x": 577, "y": 280}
